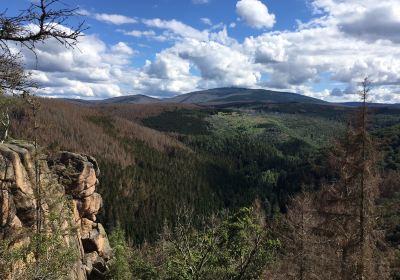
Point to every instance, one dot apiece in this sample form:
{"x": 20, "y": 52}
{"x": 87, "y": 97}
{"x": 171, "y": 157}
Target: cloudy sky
{"x": 320, "y": 48}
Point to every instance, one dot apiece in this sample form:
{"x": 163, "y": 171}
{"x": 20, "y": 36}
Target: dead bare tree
{"x": 5, "y": 125}
{"x": 304, "y": 255}
{"x": 347, "y": 205}
{"x": 42, "y": 20}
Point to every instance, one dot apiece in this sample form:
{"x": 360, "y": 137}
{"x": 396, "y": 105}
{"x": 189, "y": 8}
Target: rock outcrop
{"x": 66, "y": 175}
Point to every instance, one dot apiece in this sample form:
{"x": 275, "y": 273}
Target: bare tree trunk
{"x": 364, "y": 96}
{"x": 5, "y": 122}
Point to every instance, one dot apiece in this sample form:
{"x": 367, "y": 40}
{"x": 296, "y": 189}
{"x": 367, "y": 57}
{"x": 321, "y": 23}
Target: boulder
{"x": 96, "y": 241}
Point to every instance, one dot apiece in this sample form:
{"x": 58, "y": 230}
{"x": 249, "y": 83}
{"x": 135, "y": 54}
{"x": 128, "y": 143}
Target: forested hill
{"x": 158, "y": 157}
{"x": 221, "y": 96}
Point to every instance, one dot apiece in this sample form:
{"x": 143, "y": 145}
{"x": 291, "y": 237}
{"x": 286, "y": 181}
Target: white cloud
{"x": 206, "y": 21}
{"x": 255, "y": 13}
{"x": 83, "y": 12}
{"x": 149, "y": 34}
{"x": 177, "y": 28}
{"x": 88, "y": 72}
{"x": 382, "y": 22}
{"x": 199, "y": 2}
{"x": 122, "y": 48}
{"x": 333, "y": 48}
{"x": 114, "y": 19}
{"x": 219, "y": 65}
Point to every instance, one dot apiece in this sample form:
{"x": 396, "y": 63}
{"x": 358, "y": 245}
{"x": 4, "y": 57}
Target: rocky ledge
{"x": 72, "y": 176}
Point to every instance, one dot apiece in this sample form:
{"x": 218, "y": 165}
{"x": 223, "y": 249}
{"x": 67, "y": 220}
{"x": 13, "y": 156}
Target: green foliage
{"x": 235, "y": 246}
{"x": 40, "y": 256}
{"x": 120, "y": 266}
{"x": 183, "y": 121}
{"x": 142, "y": 196}
{"x": 231, "y": 163}
{"x": 235, "y": 157}
{"x": 104, "y": 121}
{"x": 390, "y": 138}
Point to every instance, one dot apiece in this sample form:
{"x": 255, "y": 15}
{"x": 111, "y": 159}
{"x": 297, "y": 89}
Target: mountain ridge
{"x": 224, "y": 96}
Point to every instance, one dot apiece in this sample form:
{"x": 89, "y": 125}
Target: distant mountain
{"x": 372, "y": 105}
{"x": 130, "y": 99}
{"x": 221, "y": 96}
{"x": 226, "y": 97}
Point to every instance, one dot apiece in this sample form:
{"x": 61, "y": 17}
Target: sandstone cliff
{"x": 64, "y": 175}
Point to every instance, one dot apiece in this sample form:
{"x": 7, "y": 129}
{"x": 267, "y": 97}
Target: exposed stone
{"x": 90, "y": 206}
{"x": 69, "y": 175}
{"x": 96, "y": 240}
{"x": 103, "y": 244}
{"x": 77, "y": 173}
{"x": 96, "y": 265}
{"x": 7, "y": 208}
{"x": 87, "y": 225}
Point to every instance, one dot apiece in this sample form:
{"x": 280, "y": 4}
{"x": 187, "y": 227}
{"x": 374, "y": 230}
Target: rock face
{"x": 69, "y": 175}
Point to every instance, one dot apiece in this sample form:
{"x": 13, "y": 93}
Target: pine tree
{"x": 347, "y": 205}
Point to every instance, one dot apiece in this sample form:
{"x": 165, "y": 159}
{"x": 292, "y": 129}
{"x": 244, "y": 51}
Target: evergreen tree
{"x": 120, "y": 266}
{"x": 236, "y": 247}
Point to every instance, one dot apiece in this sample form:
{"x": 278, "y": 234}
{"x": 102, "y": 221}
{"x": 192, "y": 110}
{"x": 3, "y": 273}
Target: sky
{"x": 162, "y": 48}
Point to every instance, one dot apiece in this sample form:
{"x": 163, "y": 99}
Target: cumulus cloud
{"x": 114, "y": 19}
{"x": 383, "y": 23}
{"x": 219, "y": 65}
{"x": 334, "y": 44}
{"x": 351, "y": 89}
{"x": 255, "y": 13}
{"x": 90, "y": 72}
{"x": 122, "y": 48}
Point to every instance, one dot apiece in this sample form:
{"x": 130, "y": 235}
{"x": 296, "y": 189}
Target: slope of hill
{"x": 85, "y": 129}
{"x": 130, "y": 99}
{"x": 220, "y": 96}
{"x": 371, "y": 105}
{"x": 127, "y": 99}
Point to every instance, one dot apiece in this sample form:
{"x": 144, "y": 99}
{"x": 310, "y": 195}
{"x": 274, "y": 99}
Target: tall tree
{"x": 347, "y": 205}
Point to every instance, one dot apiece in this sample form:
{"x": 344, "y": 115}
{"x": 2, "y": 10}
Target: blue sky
{"x": 320, "y": 48}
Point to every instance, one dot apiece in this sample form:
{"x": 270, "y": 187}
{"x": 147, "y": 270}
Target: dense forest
{"x": 160, "y": 160}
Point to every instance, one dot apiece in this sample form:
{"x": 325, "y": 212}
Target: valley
{"x": 158, "y": 157}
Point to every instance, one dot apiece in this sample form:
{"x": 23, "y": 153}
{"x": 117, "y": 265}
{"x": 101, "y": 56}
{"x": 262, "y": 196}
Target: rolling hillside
{"x": 222, "y": 96}
{"x": 130, "y": 99}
